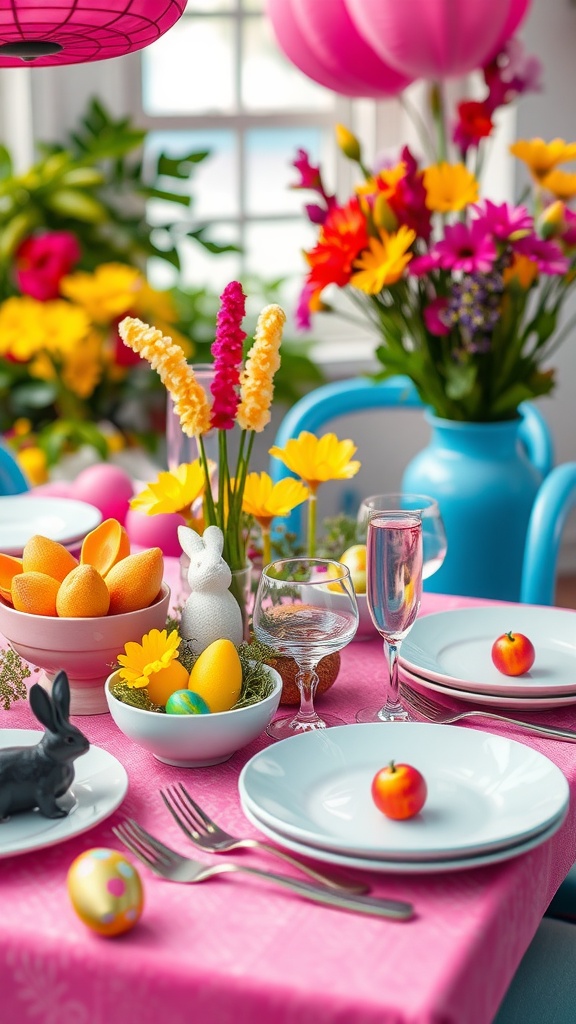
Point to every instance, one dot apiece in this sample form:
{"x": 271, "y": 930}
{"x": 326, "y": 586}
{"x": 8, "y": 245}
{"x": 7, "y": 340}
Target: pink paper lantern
{"x": 516, "y": 14}
{"x": 334, "y": 39}
{"x": 433, "y": 38}
{"x": 295, "y": 44}
{"x": 47, "y": 34}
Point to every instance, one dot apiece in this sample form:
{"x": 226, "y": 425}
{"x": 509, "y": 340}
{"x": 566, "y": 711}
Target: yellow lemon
{"x": 166, "y": 681}
{"x": 217, "y": 675}
{"x": 354, "y": 558}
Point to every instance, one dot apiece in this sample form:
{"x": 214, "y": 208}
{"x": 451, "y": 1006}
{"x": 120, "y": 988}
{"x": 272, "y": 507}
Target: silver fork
{"x": 173, "y": 866}
{"x": 207, "y": 835}
{"x": 442, "y": 715}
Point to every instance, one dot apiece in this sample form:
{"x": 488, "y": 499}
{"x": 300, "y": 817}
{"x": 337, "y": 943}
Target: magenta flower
{"x": 569, "y": 234}
{"x": 510, "y": 74}
{"x": 503, "y": 221}
{"x": 433, "y": 317}
{"x": 422, "y": 265}
{"x": 548, "y": 256}
{"x": 43, "y": 260}
{"x": 227, "y": 350}
{"x": 310, "y": 177}
{"x": 467, "y": 248}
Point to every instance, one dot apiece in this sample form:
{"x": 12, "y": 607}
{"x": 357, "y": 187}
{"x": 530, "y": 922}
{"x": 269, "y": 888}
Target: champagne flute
{"x": 434, "y": 541}
{"x": 305, "y": 608}
{"x": 394, "y": 589}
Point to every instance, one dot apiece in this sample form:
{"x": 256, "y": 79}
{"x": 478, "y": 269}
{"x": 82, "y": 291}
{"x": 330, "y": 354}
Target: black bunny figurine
{"x": 35, "y": 776}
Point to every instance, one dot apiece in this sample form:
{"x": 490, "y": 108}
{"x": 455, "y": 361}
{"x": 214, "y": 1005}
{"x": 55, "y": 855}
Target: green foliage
{"x": 13, "y": 672}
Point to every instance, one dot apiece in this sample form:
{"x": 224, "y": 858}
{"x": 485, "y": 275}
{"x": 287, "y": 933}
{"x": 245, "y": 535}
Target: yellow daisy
{"x": 384, "y": 262}
{"x": 157, "y": 651}
{"x": 450, "y": 187}
{"x": 318, "y": 459}
{"x": 172, "y": 492}
{"x": 561, "y": 184}
{"x": 105, "y": 294}
{"x": 542, "y": 157}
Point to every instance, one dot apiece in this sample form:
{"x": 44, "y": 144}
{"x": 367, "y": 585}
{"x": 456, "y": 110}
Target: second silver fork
{"x": 207, "y": 835}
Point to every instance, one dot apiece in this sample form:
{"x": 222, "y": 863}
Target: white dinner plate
{"x": 454, "y": 647}
{"x": 402, "y": 867}
{"x": 487, "y": 699}
{"x": 63, "y": 519}
{"x": 485, "y": 791}
{"x": 100, "y": 785}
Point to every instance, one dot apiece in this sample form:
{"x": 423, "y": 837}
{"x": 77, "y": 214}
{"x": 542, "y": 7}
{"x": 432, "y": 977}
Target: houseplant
{"x": 465, "y": 296}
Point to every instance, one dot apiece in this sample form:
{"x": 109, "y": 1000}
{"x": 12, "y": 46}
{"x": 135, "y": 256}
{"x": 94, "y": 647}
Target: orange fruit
{"x": 9, "y": 568}
{"x": 105, "y": 546}
{"x": 83, "y": 594}
{"x": 166, "y": 681}
{"x": 135, "y": 581}
{"x": 35, "y": 592}
{"x": 41, "y": 554}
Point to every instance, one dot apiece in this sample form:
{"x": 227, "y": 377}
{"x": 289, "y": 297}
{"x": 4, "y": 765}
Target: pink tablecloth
{"x": 237, "y": 950}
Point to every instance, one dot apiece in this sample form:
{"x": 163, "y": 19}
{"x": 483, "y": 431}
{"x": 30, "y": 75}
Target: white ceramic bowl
{"x": 194, "y": 741}
{"x": 84, "y": 648}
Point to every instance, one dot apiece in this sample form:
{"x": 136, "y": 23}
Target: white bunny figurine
{"x": 211, "y": 612}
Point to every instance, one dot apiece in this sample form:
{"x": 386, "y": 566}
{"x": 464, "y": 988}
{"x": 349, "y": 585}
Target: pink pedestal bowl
{"x": 86, "y": 649}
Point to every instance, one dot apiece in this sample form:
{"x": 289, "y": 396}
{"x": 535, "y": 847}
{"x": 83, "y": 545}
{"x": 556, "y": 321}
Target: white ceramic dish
{"x": 403, "y": 867}
{"x": 99, "y": 787}
{"x": 63, "y": 519}
{"x": 454, "y": 647}
{"x": 485, "y": 791}
{"x": 195, "y": 741}
{"x": 486, "y": 699}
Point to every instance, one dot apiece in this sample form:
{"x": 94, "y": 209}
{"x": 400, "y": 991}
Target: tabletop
{"x": 235, "y": 949}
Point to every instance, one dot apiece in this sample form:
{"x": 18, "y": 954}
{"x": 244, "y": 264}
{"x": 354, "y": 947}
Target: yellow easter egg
{"x": 217, "y": 675}
{"x": 105, "y": 890}
{"x": 165, "y": 682}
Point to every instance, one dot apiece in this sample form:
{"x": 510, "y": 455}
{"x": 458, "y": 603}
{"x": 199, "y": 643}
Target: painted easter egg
{"x": 186, "y": 702}
{"x": 106, "y": 486}
{"x": 105, "y": 891}
{"x": 217, "y": 675}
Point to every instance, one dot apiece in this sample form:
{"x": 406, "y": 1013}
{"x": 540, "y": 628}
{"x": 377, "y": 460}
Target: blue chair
{"x": 554, "y": 502}
{"x": 316, "y": 409}
{"x": 543, "y": 990}
{"x": 12, "y": 479}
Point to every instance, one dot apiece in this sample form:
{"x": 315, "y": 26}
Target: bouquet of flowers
{"x": 464, "y": 293}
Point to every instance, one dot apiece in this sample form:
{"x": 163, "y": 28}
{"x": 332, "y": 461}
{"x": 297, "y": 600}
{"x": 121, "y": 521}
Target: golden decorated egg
{"x": 106, "y": 891}
{"x": 216, "y": 675}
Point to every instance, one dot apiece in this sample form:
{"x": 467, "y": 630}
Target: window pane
{"x": 213, "y": 184}
{"x": 274, "y": 249}
{"x": 205, "y": 269}
{"x": 270, "y": 153}
{"x": 269, "y": 80}
{"x": 194, "y": 6}
{"x": 191, "y": 68}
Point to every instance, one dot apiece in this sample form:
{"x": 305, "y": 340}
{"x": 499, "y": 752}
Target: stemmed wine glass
{"x": 305, "y": 608}
{"x": 394, "y": 589}
{"x": 434, "y": 541}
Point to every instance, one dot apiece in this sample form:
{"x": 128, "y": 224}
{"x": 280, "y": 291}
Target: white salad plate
{"x": 485, "y": 791}
{"x": 454, "y": 648}
{"x": 63, "y": 519}
{"x": 99, "y": 787}
{"x": 402, "y": 867}
{"x": 487, "y": 699}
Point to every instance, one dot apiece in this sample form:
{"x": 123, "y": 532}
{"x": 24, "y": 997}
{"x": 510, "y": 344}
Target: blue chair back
{"x": 555, "y": 500}
{"x": 12, "y": 479}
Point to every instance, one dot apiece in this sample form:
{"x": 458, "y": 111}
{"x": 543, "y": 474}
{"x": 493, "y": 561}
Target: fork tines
{"x": 186, "y": 811}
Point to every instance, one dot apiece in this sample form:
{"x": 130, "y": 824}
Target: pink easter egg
{"x": 159, "y": 531}
{"x": 107, "y": 487}
{"x": 54, "y": 489}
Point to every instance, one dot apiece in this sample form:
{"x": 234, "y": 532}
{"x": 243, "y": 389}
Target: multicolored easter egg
{"x": 186, "y": 702}
{"x": 105, "y": 891}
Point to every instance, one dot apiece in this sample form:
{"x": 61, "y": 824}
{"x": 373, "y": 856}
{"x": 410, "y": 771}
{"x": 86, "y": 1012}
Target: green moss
{"x": 13, "y": 672}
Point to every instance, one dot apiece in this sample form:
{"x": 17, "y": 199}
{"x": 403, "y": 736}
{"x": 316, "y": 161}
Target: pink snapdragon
{"x": 227, "y": 350}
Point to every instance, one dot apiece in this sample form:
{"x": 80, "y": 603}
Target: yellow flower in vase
{"x": 316, "y": 460}
{"x": 177, "y": 491}
{"x": 264, "y": 500}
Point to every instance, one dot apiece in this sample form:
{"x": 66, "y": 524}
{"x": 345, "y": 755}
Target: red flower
{"x": 474, "y": 123}
{"x": 342, "y": 238}
{"x": 227, "y": 350}
{"x": 43, "y": 260}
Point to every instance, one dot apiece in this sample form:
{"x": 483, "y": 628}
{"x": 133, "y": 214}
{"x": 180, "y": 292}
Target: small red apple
{"x": 513, "y": 654}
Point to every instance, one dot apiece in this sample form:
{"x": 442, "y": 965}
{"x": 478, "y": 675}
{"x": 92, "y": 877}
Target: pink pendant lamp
{"x": 436, "y": 38}
{"x": 47, "y": 34}
{"x": 331, "y": 52}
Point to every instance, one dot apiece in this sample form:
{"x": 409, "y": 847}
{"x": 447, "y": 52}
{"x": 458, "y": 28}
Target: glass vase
{"x": 181, "y": 448}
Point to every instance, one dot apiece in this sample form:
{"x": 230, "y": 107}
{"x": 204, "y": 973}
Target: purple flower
{"x": 502, "y": 220}
{"x": 467, "y": 248}
{"x": 311, "y": 177}
{"x": 511, "y": 73}
{"x": 227, "y": 350}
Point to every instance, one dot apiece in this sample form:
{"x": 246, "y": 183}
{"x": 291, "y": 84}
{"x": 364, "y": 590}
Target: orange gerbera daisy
{"x": 342, "y": 237}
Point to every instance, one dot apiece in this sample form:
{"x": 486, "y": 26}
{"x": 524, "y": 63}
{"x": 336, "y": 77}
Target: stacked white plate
{"x": 450, "y": 653}
{"x": 489, "y": 798}
{"x": 63, "y": 519}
